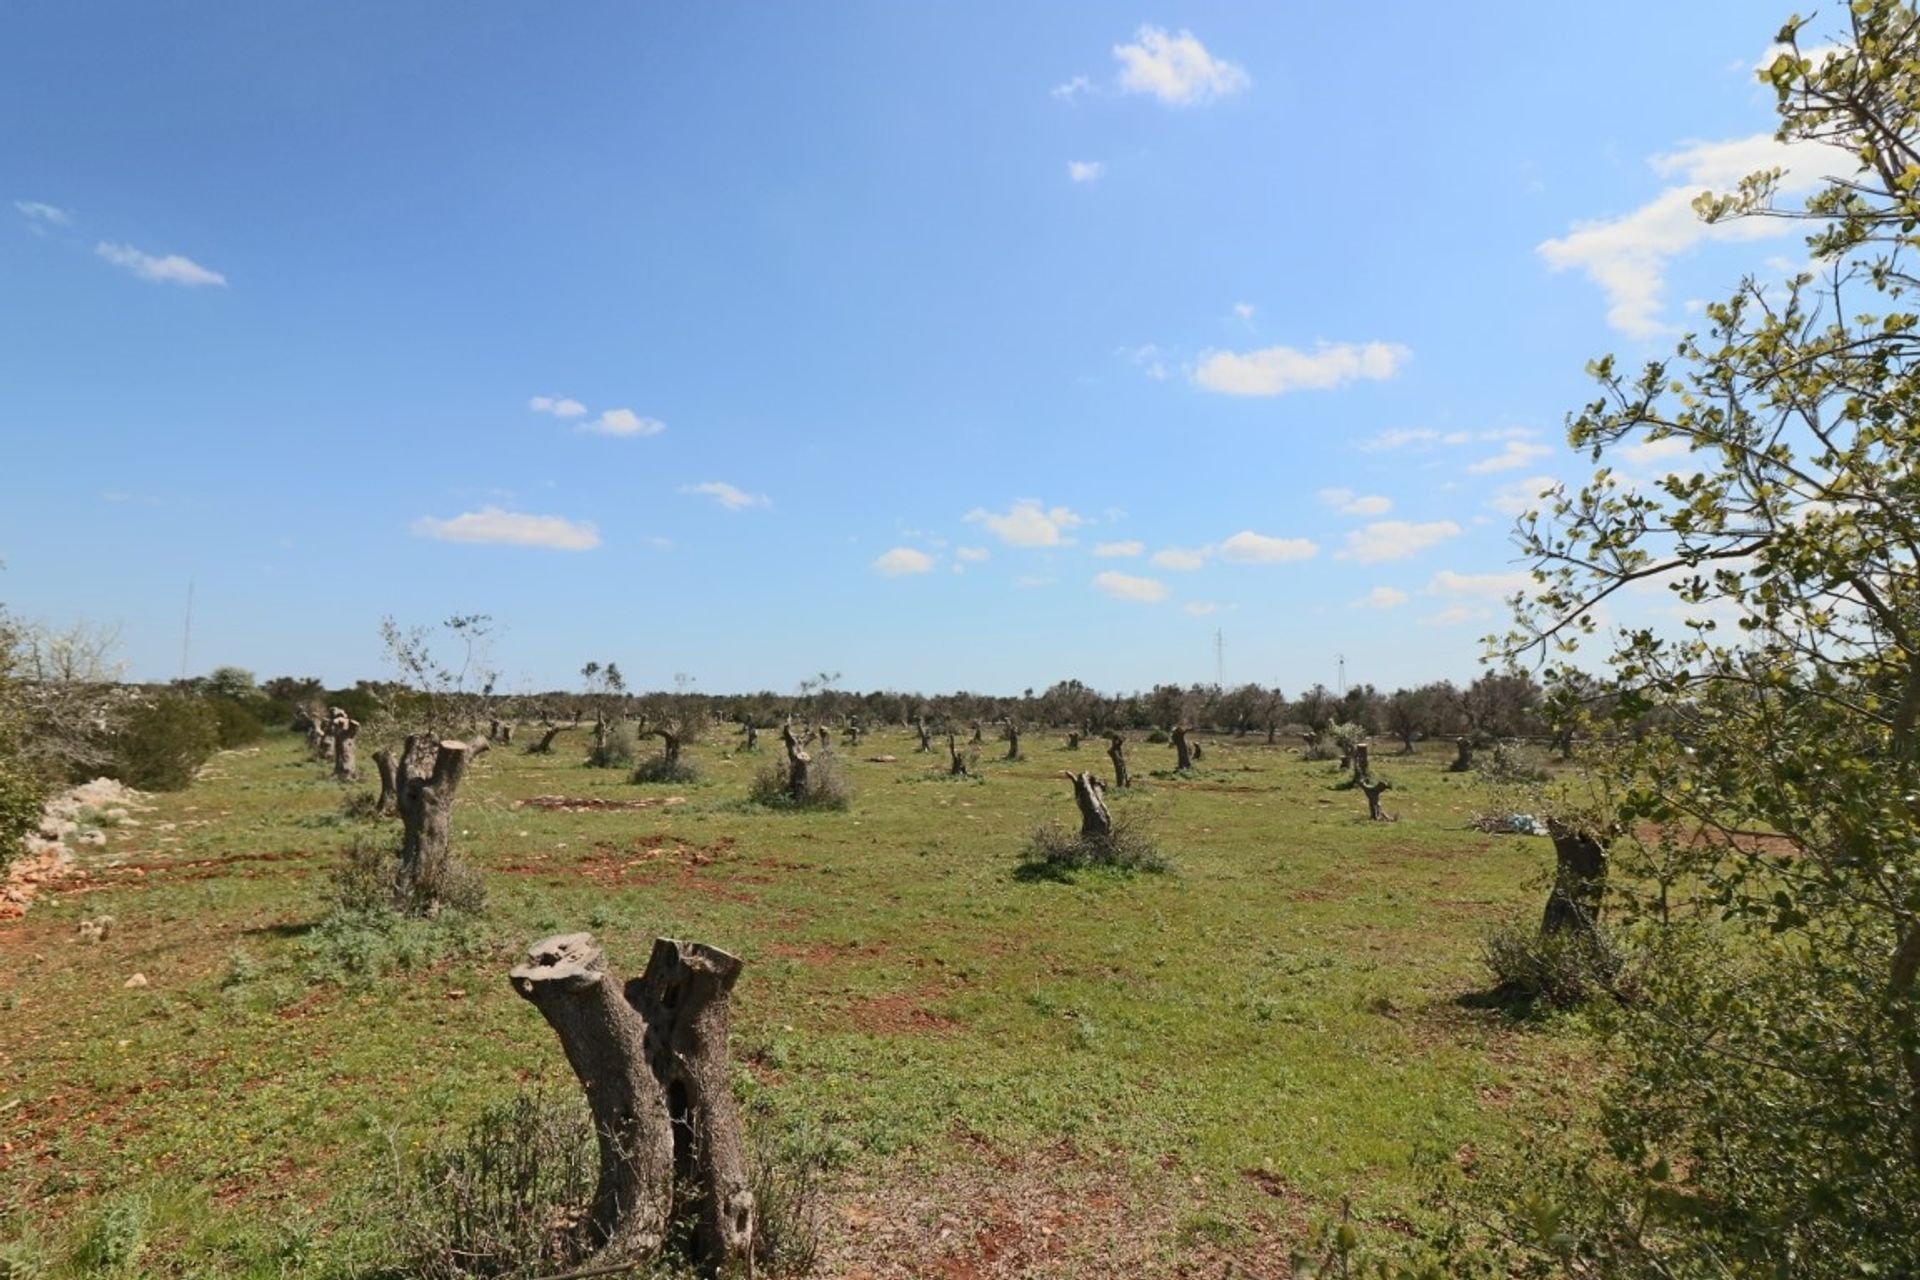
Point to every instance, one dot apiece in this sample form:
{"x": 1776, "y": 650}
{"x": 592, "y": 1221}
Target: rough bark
{"x": 345, "y": 731}
{"x": 1073, "y": 739}
{"x": 1464, "y": 760}
{"x": 429, "y": 775}
{"x": 1117, "y": 752}
{"x": 1346, "y": 755}
{"x": 1182, "y": 749}
{"x": 1373, "y": 791}
{"x": 753, "y": 737}
{"x": 1362, "y": 762}
{"x": 383, "y": 761}
{"x": 1095, "y": 822}
{"x": 797, "y": 762}
{"x": 1013, "y": 740}
{"x": 651, "y": 1055}
{"x": 926, "y": 737}
{"x": 977, "y": 739}
{"x": 545, "y": 745}
{"x": 958, "y": 768}
{"x": 1579, "y": 879}
{"x": 669, "y": 744}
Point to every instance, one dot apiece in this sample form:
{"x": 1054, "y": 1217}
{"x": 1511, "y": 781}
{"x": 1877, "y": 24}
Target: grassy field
{"x": 1157, "y": 1075}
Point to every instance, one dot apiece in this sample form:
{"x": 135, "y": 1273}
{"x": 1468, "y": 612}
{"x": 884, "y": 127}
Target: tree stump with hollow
{"x": 651, "y": 1055}
{"x": 428, "y": 775}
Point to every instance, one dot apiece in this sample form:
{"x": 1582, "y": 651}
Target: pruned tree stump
{"x": 1373, "y": 790}
{"x": 1095, "y": 822}
{"x": 651, "y": 1055}
{"x": 1579, "y": 879}
{"x": 427, "y": 776}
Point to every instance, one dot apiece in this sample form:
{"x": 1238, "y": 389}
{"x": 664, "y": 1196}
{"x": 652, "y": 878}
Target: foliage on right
{"x": 1766, "y": 762}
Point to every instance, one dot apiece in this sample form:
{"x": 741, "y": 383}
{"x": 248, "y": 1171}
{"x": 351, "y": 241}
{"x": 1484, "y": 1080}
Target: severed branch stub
{"x": 651, "y": 1055}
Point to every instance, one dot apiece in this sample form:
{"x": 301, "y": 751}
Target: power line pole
{"x": 1219, "y": 658}
{"x": 1341, "y": 658}
{"x": 186, "y": 632}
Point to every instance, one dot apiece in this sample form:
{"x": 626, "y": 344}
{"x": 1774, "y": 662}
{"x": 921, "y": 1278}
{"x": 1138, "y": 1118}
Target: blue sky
{"x": 965, "y": 346}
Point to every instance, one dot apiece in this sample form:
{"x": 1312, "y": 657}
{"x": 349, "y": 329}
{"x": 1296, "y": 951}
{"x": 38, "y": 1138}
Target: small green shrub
{"x": 1053, "y": 851}
{"x": 235, "y": 723}
{"x": 1541, "y": 972}
{"x": 621, "y": 748}
{"x": 828, "y": 785}
{"x": 1510, "y": 764}
{"x": 658, "y": 768}
{"x": 117, "y": 1237}
{"x": 22, "y": 796}
{"x": 162, "y": 742}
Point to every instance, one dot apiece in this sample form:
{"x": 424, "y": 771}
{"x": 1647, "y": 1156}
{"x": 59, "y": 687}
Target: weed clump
{"x": 1053, "y": 852}
{"x": 827, "y": 785}
{"x": 662, "y": 768}
{"x": 377, "y": 925}
{"x": 1538, "y": 972}
{"x": 618, "y": 748}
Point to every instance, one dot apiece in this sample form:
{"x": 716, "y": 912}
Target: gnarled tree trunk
{"x": 1464, "y": 760}
{"x": 797, "y": 762}
{"x": 1013, "y": 740}
{"x": 1182, "y": 749}
{"x": 1362, "y": 761}
{"x": 977, "y": 739}
{"x": 1579, "y": 879}
{"x": 1117, "y": 752}
{"x": 958, "y": 767}
{"x": 926, "y": 737}
{"x": 429, "y": 775}
{"x": 1073, "y": 739}
{"x": 1372, "y": 791}
{"x": 651, "y": 1055}
{"x": 1095, "y": 822}
{"x": 345, "y": 731}
{"x": 545, "y": 745}
{"x": 383, "y": 761}
{"x": 670, "y": 744}
{"x": 753, "y": 737}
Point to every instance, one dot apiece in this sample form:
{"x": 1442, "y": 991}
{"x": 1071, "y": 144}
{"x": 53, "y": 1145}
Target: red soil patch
{"x": 899, "y": 1015}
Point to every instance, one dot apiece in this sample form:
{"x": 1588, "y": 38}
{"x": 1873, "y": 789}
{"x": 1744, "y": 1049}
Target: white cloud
{"x": 1350, "y": 503}
{"x": 1521, "y": 496}
{"x": 1248, "y": 547}
{"x": 1124, "y": 586}
{"x": 902, "y": 561}
{"x": 1627, "y": 256}
{"x": 1382, "y": 598}
{"x": 36, "y": 212}
{"x": 1085, "y": 170}
{"x": 1176, "y": 69}
{"x": 1396, "y": 539}
{"x": 1028, "y": 524}
{"x": 1275, "y": 371}
{"x": 1648, "y": 451}
{"x": 1516, "y": 454}
{"x": 727, "y": 496}
{"x": 624, "y": 422}
{"x": 558, "y": 406}
{"x": 510, "y": 528}
{"x": 1182, "y": 558}
{"x": 1033, "y": 581}
{"x": 1400, "y": 438}
{"x": 1147, "y": 357}
{"x": 1116, "y": 550}
{"x": 1072, "y": 89}
{"x": 1200, "y": 608}
{"x": 1244, "y": 310}
{"x": 172, "y": 269}
{"x": 1479, "y": 586}
{"x": 973, "y": 555}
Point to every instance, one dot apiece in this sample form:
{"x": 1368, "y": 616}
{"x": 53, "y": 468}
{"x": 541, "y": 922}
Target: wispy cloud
{"x": 1073, "y": 88}
{"x": 1396, "y": 539}
{"x": 1119, "y": 550}
{"x": 1275, "y": 371}
{"x": 1028, "y": 524}
{"x": 1177, "y": 69}
{"x": 40, "y": 214}
{"x": 727, "y": 495}
{"x": 1382, "y": 598}
{"x": 1248, "y": 547}
{"x": 1515, "y": 455}
{"x": 1521, "y": 496}
{"x": 510, "y": 528}
{"x": 973, "y": 555}
{"x": 1627, "y": 256}
{"x": 624, "y": 422}
{"x": 1472, "y": 597}
{"x": 1125, "y": 586}
{"x": 902, "y": 561}
{"x": 1185, "y": 559}
{"x": 1085, "y": 170}
{"x": 558, "y": 406}
{"x": 1200, "y": 608}
{"x": 172, "y": 269}
{"x": 1347, "y": 502}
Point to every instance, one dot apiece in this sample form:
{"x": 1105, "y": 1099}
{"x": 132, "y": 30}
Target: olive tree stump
{"x": 1117, "y": 752}
{"x": 1373, "y": 791}
{"x": 1463, "y": 760}
{"x": 1095, "y": 822}
{"x": 427, "y": 776}
{"x": 651, "y": 1054}
{"x": 383, "y": 761}
{"x": 797, "y": 762}
{"x": 1579, "y": 878}
{"x": 958, "y": 767}
{"x": 1362, "y": 762}
{"x": 545, "y": 745}
{"x": 1013, "y": 740}
{"x": 1183, "y": 750}
{"x": 345, "y": 730}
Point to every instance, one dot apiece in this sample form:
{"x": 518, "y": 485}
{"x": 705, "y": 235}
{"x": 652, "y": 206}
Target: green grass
{"x": 1230, "y": 1048}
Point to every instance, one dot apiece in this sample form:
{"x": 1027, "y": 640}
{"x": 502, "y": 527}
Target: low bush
{"x": 162, "y": 742}
{"x": 21, "y": 797}
{"x": 1542, "y": 972}
{"x": 1053, "y": 851}
{"x": 828, "y": 785}
{"x": 660, "y": 769}
{"x": 619, "y": 749}
{"x": 235, "y": 723}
